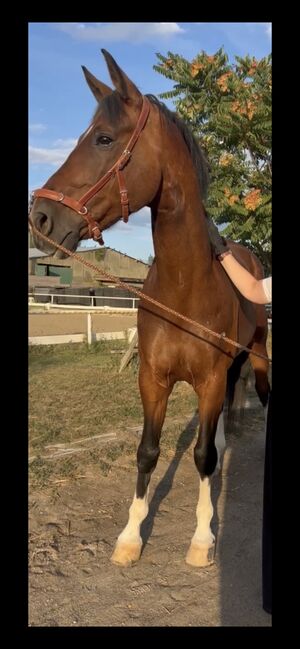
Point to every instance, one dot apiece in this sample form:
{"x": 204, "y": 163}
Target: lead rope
{"x": 139, "y": 294}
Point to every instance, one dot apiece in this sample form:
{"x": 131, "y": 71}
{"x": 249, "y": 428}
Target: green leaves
{"x": 228, "y": 107}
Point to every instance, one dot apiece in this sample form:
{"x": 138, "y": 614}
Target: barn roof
{"x": 34, "y": 253}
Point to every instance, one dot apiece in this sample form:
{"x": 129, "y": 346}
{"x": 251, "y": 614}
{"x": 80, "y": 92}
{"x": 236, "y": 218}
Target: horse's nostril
{"x": 42, "y": 220}
{"x": 43, "y": 223}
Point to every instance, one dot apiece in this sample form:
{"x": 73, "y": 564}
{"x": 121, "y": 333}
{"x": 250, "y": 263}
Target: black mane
{"x": 195, "y": 150}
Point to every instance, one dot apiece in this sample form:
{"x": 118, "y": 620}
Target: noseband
{"x": 79, "y": 206}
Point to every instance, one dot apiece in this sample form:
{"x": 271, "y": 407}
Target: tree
{"x": 228, "y": 107}
{"x": 150, "y": 260}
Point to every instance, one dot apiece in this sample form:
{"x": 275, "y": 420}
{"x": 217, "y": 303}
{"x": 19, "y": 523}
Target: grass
{"x": 75, "y": 391}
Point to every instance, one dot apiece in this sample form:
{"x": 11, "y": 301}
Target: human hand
{"x": 218, "y": 242}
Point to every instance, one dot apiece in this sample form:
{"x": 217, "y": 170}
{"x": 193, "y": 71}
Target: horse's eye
{"x": 103, "y": 140}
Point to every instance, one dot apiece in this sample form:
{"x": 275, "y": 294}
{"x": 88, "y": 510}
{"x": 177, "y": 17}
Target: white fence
{"x": 90, "y": 336}
{"x": 129, "y": 302}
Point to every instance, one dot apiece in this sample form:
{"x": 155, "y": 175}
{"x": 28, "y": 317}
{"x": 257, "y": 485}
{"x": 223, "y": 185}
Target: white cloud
{"x": 140, "y": 219}
{"x": 67, "y": 143}
{"x": 269, "y": 29}
{"x": 166, "y": 28}
{"x": 37, "y": 128}
{"x": 54, "y": 156}
{"x": 133, "y": 32}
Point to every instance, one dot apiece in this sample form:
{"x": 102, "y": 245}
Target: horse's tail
{"x": 237, "y": 380}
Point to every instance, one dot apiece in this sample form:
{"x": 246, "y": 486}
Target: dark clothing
{"x": 267, "y": 518}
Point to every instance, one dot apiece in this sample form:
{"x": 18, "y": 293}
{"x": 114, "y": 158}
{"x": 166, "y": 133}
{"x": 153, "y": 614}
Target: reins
{"x": 142, "y": 295}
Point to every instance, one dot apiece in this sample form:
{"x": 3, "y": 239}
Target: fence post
{"x": 89, "y": 329}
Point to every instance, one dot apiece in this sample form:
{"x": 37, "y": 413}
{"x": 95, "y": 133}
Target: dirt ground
{"x": 54, "y": 324}
{"x": 73, "y": 528}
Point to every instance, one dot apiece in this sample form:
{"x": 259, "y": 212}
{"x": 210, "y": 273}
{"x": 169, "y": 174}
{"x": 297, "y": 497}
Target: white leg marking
{"x": 204, "y": 512}
{"x": 220, "y": 441}
{"x": 137, "y": 513}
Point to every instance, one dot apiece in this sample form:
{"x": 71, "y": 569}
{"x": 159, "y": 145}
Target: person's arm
{"x": 250, "y": 287}
{"x": 255, "y": 290}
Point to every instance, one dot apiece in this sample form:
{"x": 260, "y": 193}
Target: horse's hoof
{"x": 200, "y": 555}
{"x": 125, "y": 554}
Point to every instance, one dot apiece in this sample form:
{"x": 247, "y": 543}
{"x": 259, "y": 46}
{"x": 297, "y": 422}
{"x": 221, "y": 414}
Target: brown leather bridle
{"x": 79, "y": 206}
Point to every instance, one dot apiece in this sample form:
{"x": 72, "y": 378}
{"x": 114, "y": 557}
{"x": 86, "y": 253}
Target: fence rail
{"x": 57, "y": 299}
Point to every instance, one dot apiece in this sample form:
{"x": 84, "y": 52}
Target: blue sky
{"x": 61, "y": 104}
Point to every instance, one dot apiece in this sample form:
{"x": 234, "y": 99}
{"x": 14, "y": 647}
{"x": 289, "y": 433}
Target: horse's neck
{"x": 180, "y": 236}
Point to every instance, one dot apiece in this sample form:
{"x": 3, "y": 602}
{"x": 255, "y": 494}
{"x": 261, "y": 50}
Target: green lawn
{"x": 77, "y": 392}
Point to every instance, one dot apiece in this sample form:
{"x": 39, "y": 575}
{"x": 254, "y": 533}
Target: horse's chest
{"x": 177, "y": 358}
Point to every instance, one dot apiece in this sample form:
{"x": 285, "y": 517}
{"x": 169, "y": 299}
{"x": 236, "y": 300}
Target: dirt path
{"x": 52, "y": 324}
{"x": 73, "y": 528}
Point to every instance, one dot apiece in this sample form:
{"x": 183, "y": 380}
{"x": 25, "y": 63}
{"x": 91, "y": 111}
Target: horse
{"x": 135, "y": 153}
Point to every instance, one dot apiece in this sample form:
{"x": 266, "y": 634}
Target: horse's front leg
{"x": 211, "y": 398}
{"x": 154, "y": 398}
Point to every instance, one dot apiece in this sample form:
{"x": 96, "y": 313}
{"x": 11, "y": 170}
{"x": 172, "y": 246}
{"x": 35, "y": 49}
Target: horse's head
{"x": 113, "y": 170}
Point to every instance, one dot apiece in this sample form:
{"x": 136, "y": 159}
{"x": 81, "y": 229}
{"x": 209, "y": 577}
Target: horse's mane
{"x": 113, "y": 108}
{"x": 194, "y": 148}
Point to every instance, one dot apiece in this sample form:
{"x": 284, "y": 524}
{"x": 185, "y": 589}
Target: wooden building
{"x": 71, "y": 272}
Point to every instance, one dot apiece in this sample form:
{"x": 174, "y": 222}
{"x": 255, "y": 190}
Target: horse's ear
{"x": 123, "y": 85}
{"x": 98, "y": 88}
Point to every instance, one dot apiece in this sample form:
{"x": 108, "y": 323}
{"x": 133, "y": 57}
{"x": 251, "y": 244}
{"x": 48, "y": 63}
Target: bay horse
{"x": 137, "y": 153}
